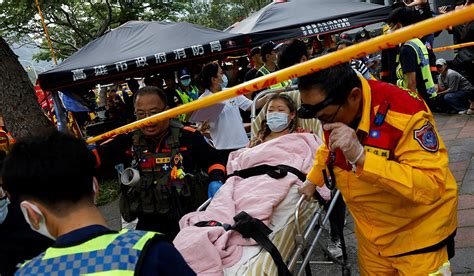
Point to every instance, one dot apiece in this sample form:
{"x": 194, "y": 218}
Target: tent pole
{"x": 60, "y": 112}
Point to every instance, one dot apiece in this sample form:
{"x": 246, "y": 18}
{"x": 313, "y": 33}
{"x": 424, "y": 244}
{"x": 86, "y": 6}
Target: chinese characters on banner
{"x": 146, "y": 61}
{"x": 327, "y": 26}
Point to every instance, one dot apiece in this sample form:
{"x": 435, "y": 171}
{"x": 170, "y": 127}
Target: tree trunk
{"x": 18, "y": 103}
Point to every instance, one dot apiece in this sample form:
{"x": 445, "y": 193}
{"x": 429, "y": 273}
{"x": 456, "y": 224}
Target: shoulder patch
{"x": 426, "y": 137}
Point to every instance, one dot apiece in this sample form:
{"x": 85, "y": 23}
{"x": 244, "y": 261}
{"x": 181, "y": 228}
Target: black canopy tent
{"x": 136, "y": 48}
{"x": 303, "y": 18}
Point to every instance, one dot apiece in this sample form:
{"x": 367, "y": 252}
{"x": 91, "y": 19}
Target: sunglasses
{"x": 308, "y": 111}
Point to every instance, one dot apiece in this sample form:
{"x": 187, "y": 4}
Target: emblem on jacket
{"x": 426, "y": 137}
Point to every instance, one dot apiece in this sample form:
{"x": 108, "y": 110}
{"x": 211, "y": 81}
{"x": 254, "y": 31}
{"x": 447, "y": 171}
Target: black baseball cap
{"x": 267, "y": 48}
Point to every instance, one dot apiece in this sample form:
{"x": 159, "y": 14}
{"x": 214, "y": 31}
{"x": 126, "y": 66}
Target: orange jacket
{"x": 404, "y": 197}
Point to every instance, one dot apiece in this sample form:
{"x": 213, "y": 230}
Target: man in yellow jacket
{"x": 391, "y": 167}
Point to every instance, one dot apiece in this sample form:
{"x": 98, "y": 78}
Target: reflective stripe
{"x": 111, "y": 254}
{"x": 444, "y": 270}
{"x": 265, "y": 71}
{"x": 184, "y": 96}
{"x": 423, "y": 61}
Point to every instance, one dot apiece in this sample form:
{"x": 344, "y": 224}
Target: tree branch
{"x": 76, "y": 29}
{"x": 64, "y": 43}
{"x": 105, "y": 24}
{"x": 96, "y": 10}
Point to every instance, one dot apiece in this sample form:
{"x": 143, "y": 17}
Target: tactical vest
{"x": 164, "y": 185}
{"x": 422, "y": 57}
{"x": 264, "y": 71}
{"x": 109, "y": 254}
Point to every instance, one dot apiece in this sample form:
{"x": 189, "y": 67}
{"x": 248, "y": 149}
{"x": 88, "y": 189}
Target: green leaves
{"x": 72, "y": 23}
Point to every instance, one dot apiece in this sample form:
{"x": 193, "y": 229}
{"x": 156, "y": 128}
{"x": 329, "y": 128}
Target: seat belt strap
{"x": 277, "y": 172}
{"x": 250, "y": 227}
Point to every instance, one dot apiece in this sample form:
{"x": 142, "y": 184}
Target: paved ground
{"x": 457, "y": 132}
{"x": 458, "y": 135}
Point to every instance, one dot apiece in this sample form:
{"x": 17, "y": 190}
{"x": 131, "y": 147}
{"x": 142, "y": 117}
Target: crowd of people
{"x": 381, "y": 145}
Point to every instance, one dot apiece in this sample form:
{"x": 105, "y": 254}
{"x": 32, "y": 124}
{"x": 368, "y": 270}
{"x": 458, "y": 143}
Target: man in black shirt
{"x": 257, "y": 62}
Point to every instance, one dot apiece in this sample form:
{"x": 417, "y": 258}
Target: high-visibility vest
{"x": 264, "y": 71}
{"x": 187, "y": 98}
{"x": 422, "y": 57}
{"x": 110, "y": 254}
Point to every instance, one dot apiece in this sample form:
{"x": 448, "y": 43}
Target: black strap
{"x": 277, "y": 172}
{"x": 250, "y": 227}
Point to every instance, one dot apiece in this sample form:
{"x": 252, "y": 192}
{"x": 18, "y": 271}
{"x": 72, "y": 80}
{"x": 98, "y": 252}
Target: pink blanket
{"x": 209, "y": 249}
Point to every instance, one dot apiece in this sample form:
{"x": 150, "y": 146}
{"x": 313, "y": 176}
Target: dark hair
{"x": 403, "y": 15}
{"x": 254, "y": 51}
{"x": 55, "y": 169}
{"x": 346, "y": 42}
{"x": 133, "y": 85}
{"x": 264, "y": 129}
{"x": 336, "y": 82}
{"x": 292, "y": 54}
{"x": 208, "y": 72}
{"x": 151, "y": 90}
{"x": 152, "y": 80}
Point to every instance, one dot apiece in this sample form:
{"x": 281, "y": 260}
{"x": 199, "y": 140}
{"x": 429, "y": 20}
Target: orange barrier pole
{"x": 462, "y": 45}
{"x": 358, "y": 50}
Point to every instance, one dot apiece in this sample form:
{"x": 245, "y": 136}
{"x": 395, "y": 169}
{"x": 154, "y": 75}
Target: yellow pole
{"x": 46, "y": 33}
{"x": 462, "y": 45}
{"x": 362, "y": 49}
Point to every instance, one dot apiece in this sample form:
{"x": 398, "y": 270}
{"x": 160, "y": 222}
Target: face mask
{"x": 43, "y": 230}
{"x": 225, "y": 81}
{"x": 186, "y": 82}
{"x": 3, "y": 209}
{"x": 277, "y": 121}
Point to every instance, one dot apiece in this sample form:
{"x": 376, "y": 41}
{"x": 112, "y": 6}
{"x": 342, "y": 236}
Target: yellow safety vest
{"x": 423, "y": 61}
{"x": 115, "y": 254}
{"x": 264, "y": 71}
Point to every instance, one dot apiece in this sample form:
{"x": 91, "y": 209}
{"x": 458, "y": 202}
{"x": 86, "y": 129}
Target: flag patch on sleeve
{"x": 427, "y": 138}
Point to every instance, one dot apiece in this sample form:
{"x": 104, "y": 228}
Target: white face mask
{"x": 225, "y": 81}
{"x": 277, "y": 121}
{"x": 43, "y": 230}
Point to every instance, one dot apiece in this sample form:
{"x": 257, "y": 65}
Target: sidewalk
{"x": 457, "y": 132}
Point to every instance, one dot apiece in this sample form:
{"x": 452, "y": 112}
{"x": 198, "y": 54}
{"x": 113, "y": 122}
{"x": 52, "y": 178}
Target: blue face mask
{"x": 225, "y": 81}
{"x": 277, "y": 121}
{"x": 3, "y": 209}
{"x": 186, "y": 82}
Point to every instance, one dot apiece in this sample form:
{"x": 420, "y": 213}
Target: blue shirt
{"x": 161, "y": 258}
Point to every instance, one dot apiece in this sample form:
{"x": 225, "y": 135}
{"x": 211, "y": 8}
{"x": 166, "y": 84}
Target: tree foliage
{"x": 73, "y": 23}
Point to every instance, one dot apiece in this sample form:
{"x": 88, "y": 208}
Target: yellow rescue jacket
{"x": 404, "y": 197}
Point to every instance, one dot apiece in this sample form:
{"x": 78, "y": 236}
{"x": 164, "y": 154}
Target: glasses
{"x": 143, "y": 114}
{"x": 308, "y": 111}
